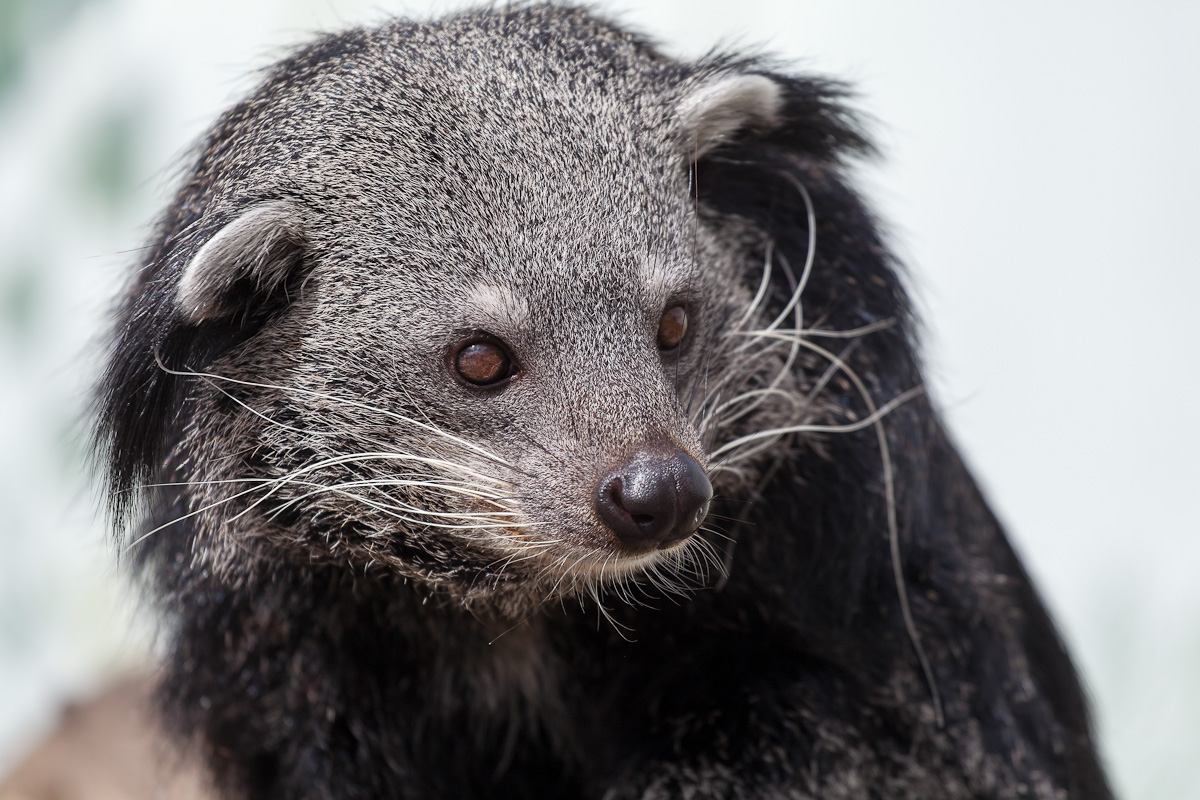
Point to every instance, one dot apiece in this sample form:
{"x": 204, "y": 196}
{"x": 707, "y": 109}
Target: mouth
{"x": 579, "y": 553}
{"x": 671, "y": 544}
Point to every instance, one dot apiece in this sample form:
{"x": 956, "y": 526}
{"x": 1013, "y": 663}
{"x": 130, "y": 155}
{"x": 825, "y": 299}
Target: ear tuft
{"x": 257, "y": 251}
{"x": 716, "y": 112}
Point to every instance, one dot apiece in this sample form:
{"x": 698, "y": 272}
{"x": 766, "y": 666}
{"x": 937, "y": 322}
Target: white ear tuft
{"x": 715, "y": 112}
{"x": 261, "y": 246}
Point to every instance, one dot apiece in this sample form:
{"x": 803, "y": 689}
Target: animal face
{"x": 480, "y": 325}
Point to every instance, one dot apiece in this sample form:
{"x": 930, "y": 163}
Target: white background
{"x": 1040, "y": 178}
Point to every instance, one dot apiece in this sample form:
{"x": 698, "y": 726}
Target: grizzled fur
{"x": 380, "y": 582}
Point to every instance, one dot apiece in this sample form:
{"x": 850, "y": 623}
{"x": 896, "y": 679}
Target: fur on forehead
{"x": 651, "y": 278}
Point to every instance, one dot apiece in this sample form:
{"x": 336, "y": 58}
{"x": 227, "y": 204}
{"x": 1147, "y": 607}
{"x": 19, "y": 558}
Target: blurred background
{"x": 1040, "y": 173}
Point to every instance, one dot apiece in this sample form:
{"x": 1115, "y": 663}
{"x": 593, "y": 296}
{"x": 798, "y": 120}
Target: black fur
{"x": 318, "y": 678}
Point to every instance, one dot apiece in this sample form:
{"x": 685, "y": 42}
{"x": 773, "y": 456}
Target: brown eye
{"x": 672, "y": 328}
{"x": 483, "y": 363}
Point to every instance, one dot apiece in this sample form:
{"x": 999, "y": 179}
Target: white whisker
{"x": 428, "y": 428}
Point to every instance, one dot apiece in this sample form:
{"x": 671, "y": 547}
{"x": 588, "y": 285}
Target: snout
{"x": 654, "y": 501}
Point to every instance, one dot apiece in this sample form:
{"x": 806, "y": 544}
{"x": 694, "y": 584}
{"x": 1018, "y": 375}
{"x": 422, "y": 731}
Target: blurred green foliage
{"x": 108, "y": 164}
{"x": 22, "y": 288}
{"x": 23, "y": 25}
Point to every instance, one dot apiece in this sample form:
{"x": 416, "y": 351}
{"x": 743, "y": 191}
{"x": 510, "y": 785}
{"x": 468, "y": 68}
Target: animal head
{"x": 495, "y": 303}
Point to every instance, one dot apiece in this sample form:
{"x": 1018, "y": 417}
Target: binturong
{"x": 506, "y": 410}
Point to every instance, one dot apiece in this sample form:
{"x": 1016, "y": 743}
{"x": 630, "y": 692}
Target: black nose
{"x": 655, "y": 500}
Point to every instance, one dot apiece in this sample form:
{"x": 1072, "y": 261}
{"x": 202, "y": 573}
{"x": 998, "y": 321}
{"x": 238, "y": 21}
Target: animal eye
{"x": 672, "y": 328}
{"x": 483, "y": 363}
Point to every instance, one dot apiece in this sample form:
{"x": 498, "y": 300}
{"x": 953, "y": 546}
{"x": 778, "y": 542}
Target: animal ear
{"x": 250, "y": 258}
{"x": 718, "y": 111}
{"x": 231, "y": 283}
{"x": 738, "y": 109}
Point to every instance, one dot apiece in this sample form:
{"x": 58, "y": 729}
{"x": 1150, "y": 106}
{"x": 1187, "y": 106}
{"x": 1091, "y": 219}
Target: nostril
{"x": 633, "y": 505}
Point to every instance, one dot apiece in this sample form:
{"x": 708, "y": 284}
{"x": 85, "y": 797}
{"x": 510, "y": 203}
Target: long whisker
{"x": 404, "y": 517}
{"x": 428, "y": 428}
{"x": 893, "y": 524}
{"x": 273, "y": 484}
{"x": 849, "y": 427}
